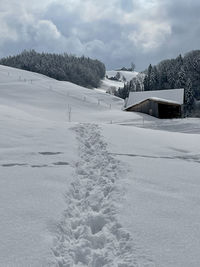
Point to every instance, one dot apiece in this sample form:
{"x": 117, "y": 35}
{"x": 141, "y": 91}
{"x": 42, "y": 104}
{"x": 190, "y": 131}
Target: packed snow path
{"x": 89, "y": 233}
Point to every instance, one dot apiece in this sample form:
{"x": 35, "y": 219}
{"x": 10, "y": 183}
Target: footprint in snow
{"x": 89, "y": 234}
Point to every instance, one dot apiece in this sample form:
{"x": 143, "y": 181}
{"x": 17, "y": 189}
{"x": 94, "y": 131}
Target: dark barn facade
{"x": 158, "y": 108}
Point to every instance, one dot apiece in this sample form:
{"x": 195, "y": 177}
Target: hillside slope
{"x": 108, "y": 85}
{"x": 83, "y": 183}
{"x": 128, "y": 75}
{"x": 82, "y": 71}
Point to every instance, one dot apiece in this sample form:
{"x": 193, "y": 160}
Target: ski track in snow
{"x": 89, "y": 233}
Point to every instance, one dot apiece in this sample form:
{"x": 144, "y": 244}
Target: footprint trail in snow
{"x": 89, "y": 233}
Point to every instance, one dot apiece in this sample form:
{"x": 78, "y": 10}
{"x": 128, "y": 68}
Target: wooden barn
{"x": 163, "y": 104}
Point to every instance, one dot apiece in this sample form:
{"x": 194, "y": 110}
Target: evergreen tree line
{"x": 79, "y": 70}
{"x": 175, "y": 73}
{"x": 181, "y": 72}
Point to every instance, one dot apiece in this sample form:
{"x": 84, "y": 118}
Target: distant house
{"x": 163, "y": 104}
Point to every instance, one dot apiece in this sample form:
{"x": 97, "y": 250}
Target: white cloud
{"x": 46, "y": 31}
{"x": 94, "y": 46}
{"x": 150, "y": 35}
{"x": 7, "y": 33}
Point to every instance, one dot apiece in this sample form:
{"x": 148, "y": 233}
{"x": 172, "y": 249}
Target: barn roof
{"x": 168, "y": 96}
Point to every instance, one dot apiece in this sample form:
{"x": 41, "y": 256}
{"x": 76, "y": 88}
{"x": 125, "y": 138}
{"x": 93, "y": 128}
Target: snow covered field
{"x": 83, "y": 183}
{"x": 129, "y": 75}
{"x": 107, "y": 84}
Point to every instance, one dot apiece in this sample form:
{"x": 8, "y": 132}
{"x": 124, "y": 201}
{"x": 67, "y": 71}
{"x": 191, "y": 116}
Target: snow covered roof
{"x": 175, "y": 96}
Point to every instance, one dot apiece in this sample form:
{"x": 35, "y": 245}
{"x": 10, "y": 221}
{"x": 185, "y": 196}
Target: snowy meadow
{"x": 83, "y": 183}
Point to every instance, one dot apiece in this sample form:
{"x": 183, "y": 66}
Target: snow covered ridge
{"x": 89, "y": 234}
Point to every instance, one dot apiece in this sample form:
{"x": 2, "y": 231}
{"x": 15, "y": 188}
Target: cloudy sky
{"x": 117, "y": 32}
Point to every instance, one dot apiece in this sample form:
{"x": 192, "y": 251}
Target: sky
{"x": 117, "y": 32}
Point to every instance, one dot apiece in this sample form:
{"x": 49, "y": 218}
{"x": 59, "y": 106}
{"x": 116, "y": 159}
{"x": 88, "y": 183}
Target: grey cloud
{"x": 116, "y": 32}
{"x": 127, "y": 5}
{"x": 183, "y": 17}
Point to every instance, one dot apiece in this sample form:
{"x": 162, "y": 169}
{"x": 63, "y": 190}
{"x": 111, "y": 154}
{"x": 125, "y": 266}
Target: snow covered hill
{"x": 83, "y": 183}
{"x": 128, "y": 75}
{"x": 107, "y": 84}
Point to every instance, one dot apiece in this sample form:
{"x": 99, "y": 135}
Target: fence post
{"x": 69, "y": 112}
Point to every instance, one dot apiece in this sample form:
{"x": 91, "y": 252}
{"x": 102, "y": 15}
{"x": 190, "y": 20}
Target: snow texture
{"x": 90, "y": 233}
{"x": 163, "y": 100}
{"x": 78, "y": 189}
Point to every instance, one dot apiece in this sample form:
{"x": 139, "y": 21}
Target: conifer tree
{"x": 147, "y": 83}
{"x": 189, "y": 97}
{"x": 181, "y": 80}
